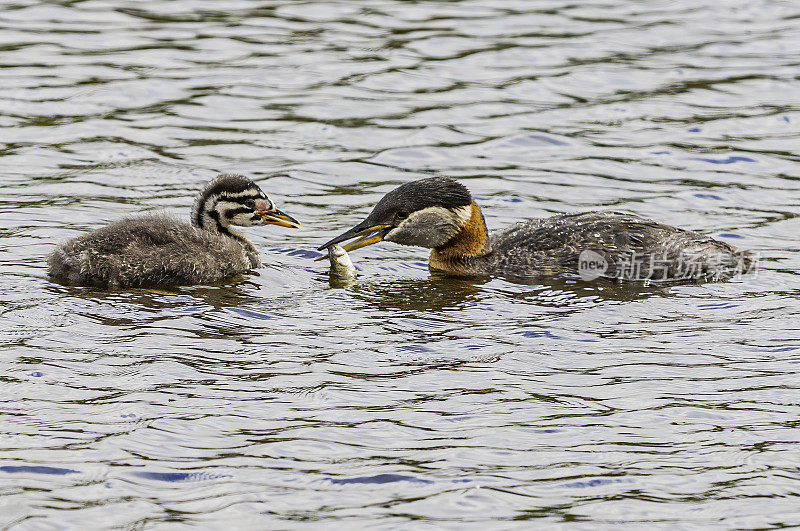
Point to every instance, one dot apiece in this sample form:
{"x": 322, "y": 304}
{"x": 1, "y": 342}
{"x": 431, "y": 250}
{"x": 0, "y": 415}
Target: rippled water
{"x": 405, "y": 400}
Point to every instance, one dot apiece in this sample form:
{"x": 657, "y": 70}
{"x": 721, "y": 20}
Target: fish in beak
{"x": 276, "y": 217}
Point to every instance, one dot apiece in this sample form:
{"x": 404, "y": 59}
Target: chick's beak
{"x": 276, "y": 217}
{"x": 364, "y": 235}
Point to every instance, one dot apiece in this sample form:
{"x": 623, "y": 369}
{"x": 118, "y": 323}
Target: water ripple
{"x": 272, "y": 399}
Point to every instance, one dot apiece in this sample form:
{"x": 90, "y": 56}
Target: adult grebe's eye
{"x": 402, "y": 215}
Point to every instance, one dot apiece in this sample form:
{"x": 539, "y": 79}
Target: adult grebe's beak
{"x": 276, "y": 217}
{"x": 365, "y": 234}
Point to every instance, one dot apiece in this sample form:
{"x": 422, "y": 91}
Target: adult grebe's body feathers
{"x": 634, "y": 248}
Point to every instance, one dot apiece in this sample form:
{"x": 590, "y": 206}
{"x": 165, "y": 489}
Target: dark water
{"x": 405, "y": 400}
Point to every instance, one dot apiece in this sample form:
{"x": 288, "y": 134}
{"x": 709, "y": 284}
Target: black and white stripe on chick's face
{"x": 242, "y": 208}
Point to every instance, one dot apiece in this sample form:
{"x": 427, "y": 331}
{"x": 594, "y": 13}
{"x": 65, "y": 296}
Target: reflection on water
{"x": 417, "y": 295}
{"x": 403, "y": 398}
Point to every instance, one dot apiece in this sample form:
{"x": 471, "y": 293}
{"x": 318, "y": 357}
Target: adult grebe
{"x": 440, "y": 214}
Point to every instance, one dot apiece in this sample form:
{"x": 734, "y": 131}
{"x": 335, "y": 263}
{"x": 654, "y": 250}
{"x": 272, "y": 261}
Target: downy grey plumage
{"x": 156, "y": 249}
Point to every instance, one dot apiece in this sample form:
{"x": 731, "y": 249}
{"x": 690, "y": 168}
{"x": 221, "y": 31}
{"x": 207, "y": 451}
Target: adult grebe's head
{"x": 424, "y": 213}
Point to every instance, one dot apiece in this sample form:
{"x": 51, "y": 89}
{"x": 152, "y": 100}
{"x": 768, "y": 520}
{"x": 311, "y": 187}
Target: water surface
{"x": 405, "y": 400}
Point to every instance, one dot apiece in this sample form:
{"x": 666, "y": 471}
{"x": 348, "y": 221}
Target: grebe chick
{"x": 440, "y": 214}
{"x": 155, "y": 249}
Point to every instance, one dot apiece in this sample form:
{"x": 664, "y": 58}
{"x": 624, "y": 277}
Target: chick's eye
{"x": 250, "y": 204}
{"x": 402, "y": 215}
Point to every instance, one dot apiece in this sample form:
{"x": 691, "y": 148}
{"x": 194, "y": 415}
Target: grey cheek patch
{"x": 425, "y": 229}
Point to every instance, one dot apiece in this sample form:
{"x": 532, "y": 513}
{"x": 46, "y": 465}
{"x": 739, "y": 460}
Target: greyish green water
{"x": 405, "y": 400}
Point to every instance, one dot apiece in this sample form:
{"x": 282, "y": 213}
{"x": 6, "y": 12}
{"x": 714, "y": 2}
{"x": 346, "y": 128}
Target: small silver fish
{"x": 341, "y": 265}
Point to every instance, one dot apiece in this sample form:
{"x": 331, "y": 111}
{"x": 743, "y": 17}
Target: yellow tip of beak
{"x": 276, "y": 217}
{"x": 368, "y": 239}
